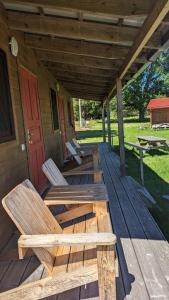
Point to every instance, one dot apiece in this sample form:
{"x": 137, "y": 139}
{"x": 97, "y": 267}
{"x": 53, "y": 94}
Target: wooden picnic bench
{"x": 152, "y": 141}
{"x": 147, "y": 143}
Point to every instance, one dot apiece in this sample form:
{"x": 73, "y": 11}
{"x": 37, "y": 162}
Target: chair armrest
{"x": 83, "y": 172}
{"x": 53, "y": 240}
{"x": 59, "y": 201}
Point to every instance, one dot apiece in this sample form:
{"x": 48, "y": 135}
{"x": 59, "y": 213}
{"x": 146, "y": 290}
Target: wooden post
{"x": 103, "y": 124}
{"x": 80, "y": 114}
{"x": 108, "y": 125}
{"x": 120, "y": 126}
{"x": 141, "y": 166}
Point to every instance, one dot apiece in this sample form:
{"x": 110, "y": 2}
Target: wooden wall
{"x": 13, "y": 161}
{"x": 158, "y": 116}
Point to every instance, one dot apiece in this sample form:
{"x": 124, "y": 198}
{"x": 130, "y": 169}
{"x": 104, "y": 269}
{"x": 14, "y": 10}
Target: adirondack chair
{"x": 84, "y": 163}
{"x": 54, "y": 247}
{"x": 56, "y": 178}
{"x": 82, "y": 151}
{"x": 85, "y": 149}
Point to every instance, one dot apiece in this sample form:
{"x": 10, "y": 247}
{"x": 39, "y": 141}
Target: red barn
{"x": 159, "y": 111}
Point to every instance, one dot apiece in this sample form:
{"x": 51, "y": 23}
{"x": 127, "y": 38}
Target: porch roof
{"x": 88, "y": 44}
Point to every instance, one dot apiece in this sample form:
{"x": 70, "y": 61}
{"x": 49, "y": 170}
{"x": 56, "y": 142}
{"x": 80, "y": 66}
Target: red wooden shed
{"x": 159, "y": 111}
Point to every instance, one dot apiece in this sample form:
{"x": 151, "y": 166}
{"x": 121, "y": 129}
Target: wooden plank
{"x": 52, "y": 240}
{"x": 59, "y": 67}
{"x": 71, "y": 76}
{"x": 79, "y": 60}
{"x": 74, "y": 213}
{"x": 115, "y": 8}
{"x": 69, "y": 28}
{"x": 90, "y": 256}
{"x": 126, "y": 254}
{"x": 120, "y": 126}
{"x": 151, "y": 271}
{"x": 50, "y": 286}
{"x": 106, "y": 263}
{"x": 75, "y": 47}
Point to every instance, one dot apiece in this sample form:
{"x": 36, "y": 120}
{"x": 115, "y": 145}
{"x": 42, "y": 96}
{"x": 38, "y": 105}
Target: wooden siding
{"x": 159, "y": 116}
{"x": 13, "y": 161}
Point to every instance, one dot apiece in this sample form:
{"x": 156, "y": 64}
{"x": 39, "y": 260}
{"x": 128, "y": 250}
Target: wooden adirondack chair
{"x": 53, "y": 246}
{"x": 84, "y": 149}
{"x": 85, "y": 162}
{"x": 56, "y": 178}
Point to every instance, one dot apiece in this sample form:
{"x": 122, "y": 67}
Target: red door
{"x": 62, "y": 124}
{"x": 36, "y": 153}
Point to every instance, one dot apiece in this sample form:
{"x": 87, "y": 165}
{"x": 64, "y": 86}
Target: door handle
{"x": 29, "y": 137}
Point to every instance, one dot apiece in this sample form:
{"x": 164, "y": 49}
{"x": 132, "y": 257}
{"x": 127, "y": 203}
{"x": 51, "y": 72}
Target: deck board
{"x": 142, "y": 251}
{"x": 144, "y": 263}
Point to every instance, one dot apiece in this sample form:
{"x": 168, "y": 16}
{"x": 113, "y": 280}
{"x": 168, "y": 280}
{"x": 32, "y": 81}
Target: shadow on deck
{"x": 142, "y": 251}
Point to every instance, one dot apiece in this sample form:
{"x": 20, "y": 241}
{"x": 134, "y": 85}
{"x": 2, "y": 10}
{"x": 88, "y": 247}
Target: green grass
{"x": 156, "y": 163}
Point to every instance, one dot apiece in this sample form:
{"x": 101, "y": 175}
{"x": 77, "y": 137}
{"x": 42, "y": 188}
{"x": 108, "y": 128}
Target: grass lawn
{"x": 156, "y": 163}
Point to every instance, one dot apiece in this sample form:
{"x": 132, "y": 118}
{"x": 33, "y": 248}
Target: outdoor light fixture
{"x": 14, "y": 46}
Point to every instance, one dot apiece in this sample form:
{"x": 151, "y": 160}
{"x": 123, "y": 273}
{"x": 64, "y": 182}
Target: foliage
{"x": 90, "y": 109}
{"x": 153, "y": 82}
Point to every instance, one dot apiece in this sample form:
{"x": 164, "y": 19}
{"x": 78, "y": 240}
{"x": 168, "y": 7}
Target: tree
{"x": 90, "y": 109}
{"x": 151, "y": 83}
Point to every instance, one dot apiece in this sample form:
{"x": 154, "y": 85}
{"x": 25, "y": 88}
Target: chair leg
{"x": 106, "y": 272}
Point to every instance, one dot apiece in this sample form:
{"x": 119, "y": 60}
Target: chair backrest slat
{"x": 31, "y": 216}
{"x": 53, "y": 173}
{"x": 74, "y": 153}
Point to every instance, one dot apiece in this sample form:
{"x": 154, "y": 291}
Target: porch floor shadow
{"x": 142, "y": 252}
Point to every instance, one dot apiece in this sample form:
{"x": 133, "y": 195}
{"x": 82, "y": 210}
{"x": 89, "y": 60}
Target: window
{"x": 7, "y": 131}
{"x": 54, "y": 109}
{"x": 69, "y": 108}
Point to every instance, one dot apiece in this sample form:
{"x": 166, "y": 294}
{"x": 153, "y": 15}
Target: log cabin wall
{"x": 14, "y": 161}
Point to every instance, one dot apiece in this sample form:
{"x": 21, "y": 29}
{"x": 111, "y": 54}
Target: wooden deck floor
{"x": 142, "y": 251}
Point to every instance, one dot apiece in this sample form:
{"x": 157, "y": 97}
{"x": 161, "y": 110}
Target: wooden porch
{"x": 142, "y": 251}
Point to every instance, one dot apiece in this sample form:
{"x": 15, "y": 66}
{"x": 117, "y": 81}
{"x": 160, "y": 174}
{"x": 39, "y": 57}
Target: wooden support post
{"x": 103, "y": 124}
{"x": 80, "y": 114}
{"x": 120, "y": 126}
{"x": 141, "y": 166}
{"x": 108, "y": 125}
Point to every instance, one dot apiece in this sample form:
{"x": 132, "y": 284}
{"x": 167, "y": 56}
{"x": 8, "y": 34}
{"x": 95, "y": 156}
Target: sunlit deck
{"x": 142, "y": 251}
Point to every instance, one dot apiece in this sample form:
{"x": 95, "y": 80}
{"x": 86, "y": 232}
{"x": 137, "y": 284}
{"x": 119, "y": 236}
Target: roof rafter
{"x": 77, "y": 47}
{"x": 118, "y": 8}
{"x": 64, "y": 27}
{"x": 80, "y": 60}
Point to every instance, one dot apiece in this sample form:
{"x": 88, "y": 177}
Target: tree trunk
{"x": 141, "y": 115}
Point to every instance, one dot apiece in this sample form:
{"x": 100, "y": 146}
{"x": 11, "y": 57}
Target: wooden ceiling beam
{"x": 150, "y": 25}
{"x": 63, "y": 68}
{"x": 85, "y": 81}
{"x": 71, "y": 59}
{"x": 84, "y": 87}
{"x": 77, "y": 47}
{"x": 82, "y": 77}
{"x": 69, "y": 28}
{"x": 118, "y": 8}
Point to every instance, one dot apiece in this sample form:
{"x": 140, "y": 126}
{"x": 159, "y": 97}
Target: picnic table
{"x": 147, "y": 143}
{"x": 152, "y": 141}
